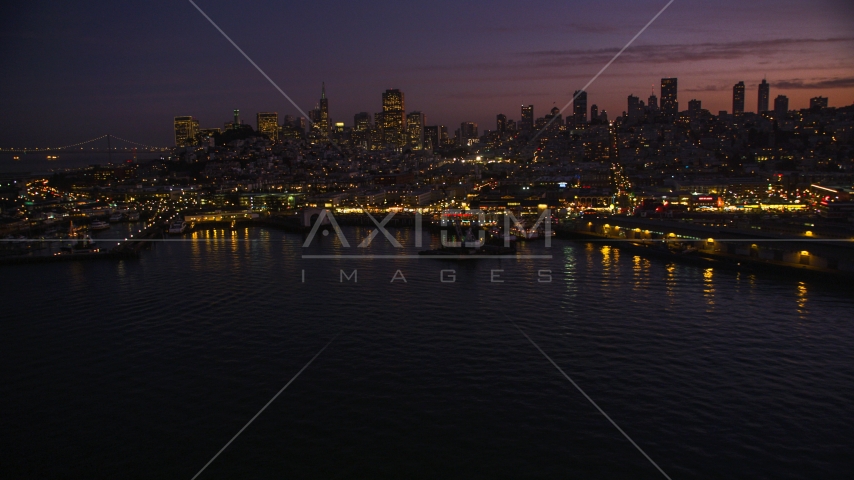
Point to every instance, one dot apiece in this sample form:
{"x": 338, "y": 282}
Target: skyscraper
{"x": 594, "y": 113}
{"x": 186, "y": 128}
{"x": 431, "y": 137}
{"x": 579, "y": 107}
{"x": 781, "y": 105}
{"x": 268, "y": 124}
{"x": 323, "y": 119}
{"x": 415, "y": 130}
{"x": 818, "y": 102}
{"x": 527, "y": 122}
{"x": 468, "y": 133}
{"x": 738, "y": 98}
{"x": 362, "y": 121}
{"x": 501, "y": 123}
{"x": 394, "y": 118}
{"x": 634, "y": 110}
{"x": 652, "y": 102}
{"x": 764, "y": 96}
{"x": 669, "y": 101}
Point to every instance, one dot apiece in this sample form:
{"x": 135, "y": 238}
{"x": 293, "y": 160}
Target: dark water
{"x": 146, "y": 368}
{"x": 37, "y": 163}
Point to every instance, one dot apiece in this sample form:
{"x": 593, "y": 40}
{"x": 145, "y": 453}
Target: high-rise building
{"x": 669, "y": 99}
{"x": 634, "y": 111}
{"x": 695, "y": 106}
{"x": 579, "y": 107}
{"x": 362, "y": 122}
{"x": 603, "y": 116}
{"x": 443, "y": 135}
{"x": 527, "y": 122}
{"x": 268, "y": 124}
{"x": 764, "y": 96}
{"x": 431, "y": 137}
{"x": 652, "y": 101}
{"x": 323, "y": 118}
{"x": 818, "y": 102}
{"x": 781, "y": 105}
{"x": 236, "y": 117}
{"x": 415, "y": 130}
{"x": 738, "y": 98}
{"x": 594, "y": 113}
{"x": 394, "y": 118}
{"x": 501, "y": 123}
{"x": 468, "y": 134}
{"x": 186, "y": 128}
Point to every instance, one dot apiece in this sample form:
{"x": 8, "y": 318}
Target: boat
{"x": 133, "y": 216}
{"x": 83, "y": 246}
{"x": 178, "y": 226}
{"x": 99, "y": 225}
{"x": 116, "y": 217}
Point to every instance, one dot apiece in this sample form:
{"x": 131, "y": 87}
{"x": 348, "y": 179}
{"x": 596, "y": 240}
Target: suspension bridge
{"x": 104, "y": 143}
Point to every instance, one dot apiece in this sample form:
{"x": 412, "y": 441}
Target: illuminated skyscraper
{"x": 394, "y": 118}
{"x": 415, "y": 130}
{"x": 781, "y": 105}
{"x": 501, "y": 123}
{"x": 669, "y": 100}
{"x": 579, "y": 107}
{"x": 443, "y": 135}
{"x": 186, "y": 128}
{"x": 467, "y": 134}
{"x": 527, "y": 122}
{"x": 594, "y": 113}
{"x": 738, "y": 98}
{"x": 764, "y": 96}
{"x": 323, "y": 118}
{"x": 362, "y": 122}
{"x": 268, "y": 123}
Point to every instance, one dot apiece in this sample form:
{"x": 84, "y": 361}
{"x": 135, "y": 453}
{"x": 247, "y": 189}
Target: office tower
{"x": 695, "y": 106}
{"x": 431, "y": 137}
{"x": 289, "y": 121}
{"x": 302, "y": 124}
{"x": 501, "y": 123}
{"x": 652, "y": 101}
{"x": 764, "y": 96}
{"x": 738, "y": 98}
{"x": 511, "y": 125}
{"x": 818, "y": 102}
{"x": 669, "y": 100}
{"x": 186, "y": 128}
{"x": 781, "y": 105}
{"x": 268, "y": 124}
{"x": 236, "y": 117}
{"x": 362, "y": 122}
{"x": 579, "y": 107}
{"x": 634, "y": 111}
{"x": 594, "y": 113}
{"x": 394, "y": 118}
{"x": 443, "y": 135}
{"x": 527, "y": 122}
{"x": 468, "y": 133}
{"x": 415, "y": 130}
{"x": 323, "y": 117}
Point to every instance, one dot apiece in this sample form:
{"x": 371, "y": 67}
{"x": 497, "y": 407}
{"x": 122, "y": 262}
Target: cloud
{"x": 671, "y": 54}
{"x": 707, "y": 88}
{"x": 824, "y": 83}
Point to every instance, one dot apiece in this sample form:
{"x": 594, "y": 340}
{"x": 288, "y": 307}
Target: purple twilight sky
{"x": 77, "y": 70}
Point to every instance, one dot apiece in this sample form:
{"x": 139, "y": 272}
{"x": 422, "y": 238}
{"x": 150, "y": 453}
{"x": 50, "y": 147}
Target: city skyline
{"x": 85, "y": 75}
